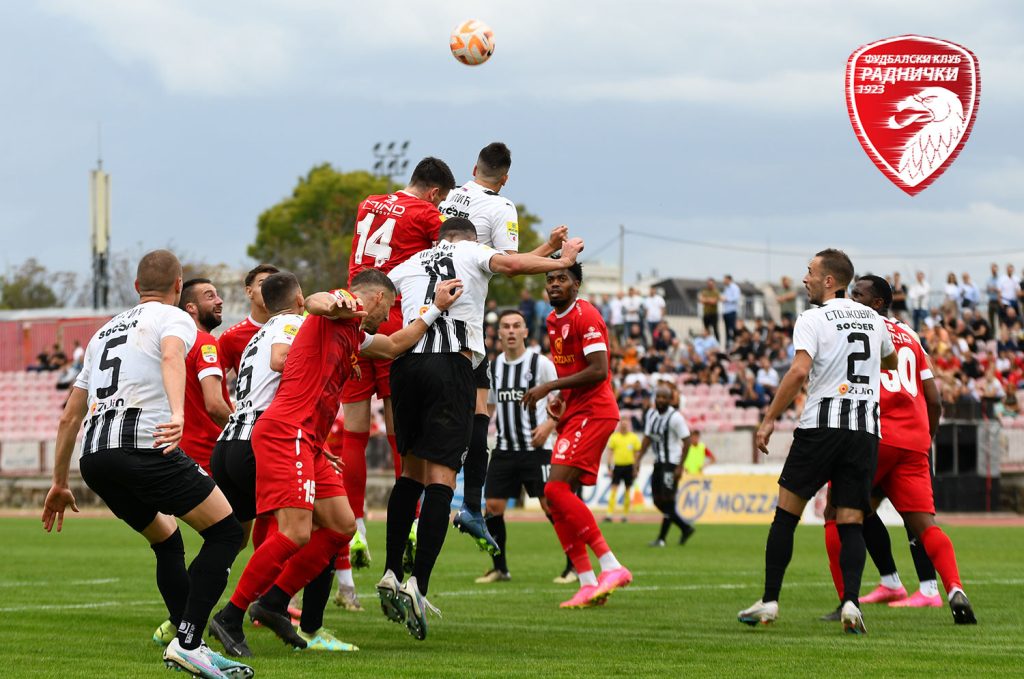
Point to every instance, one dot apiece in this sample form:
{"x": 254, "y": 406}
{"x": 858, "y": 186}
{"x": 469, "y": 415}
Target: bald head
{"x": 159, "y": 274}
{"x": 662, "y": 398}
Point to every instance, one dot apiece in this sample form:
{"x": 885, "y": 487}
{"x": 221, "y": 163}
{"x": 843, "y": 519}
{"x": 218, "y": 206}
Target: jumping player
{"x": 911, "y": 408}
{"x": 294, "y": 479}
{"x": 233, "y": 340}
{"x": 133, "y": 386}
{"x": 389, "y": 230}
{"x": 841, "y": 346}
{"x": 589, "y": 415}
{"x": 433, "y": 392}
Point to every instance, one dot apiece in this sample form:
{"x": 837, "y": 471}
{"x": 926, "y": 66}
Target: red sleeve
{"x": 229, "y": 353}
{"x": 207, "y": 359}
{"x": 591, "y": 329}
{"x": 429, "y": 220}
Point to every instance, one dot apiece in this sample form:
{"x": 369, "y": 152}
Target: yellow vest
{"x": 624, "y": 448}
{"x": 694, "y": 463}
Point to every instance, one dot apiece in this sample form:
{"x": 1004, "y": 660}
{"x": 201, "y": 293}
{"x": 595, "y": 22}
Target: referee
{"x": 522, "y": 458}
{"x": 841, "y": 346}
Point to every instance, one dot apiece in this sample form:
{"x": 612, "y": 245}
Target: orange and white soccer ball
{"x": 472, "y": 42}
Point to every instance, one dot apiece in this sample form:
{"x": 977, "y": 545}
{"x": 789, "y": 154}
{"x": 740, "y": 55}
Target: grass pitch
{"x": 84, "y": 604}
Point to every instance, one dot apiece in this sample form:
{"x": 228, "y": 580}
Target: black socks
{"x": 433, "y": 526}
{"x": 401, "y": 514}
{"x": 208, "y": 576}
{"x": 474, "y": 469}
{"x": 496, "y": 525}
{"x": 777, "y": 552}
{"x": 171, "y": 576}
{"x": 852, "y": 556}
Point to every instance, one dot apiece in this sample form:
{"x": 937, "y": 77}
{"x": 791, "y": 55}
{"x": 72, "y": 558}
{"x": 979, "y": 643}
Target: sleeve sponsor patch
{"x": 209, "y": 352}
{"x": 290, "y": 330}
{"x": 513, "y": 230}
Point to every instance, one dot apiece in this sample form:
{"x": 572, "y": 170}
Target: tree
{"x": 507, "y": 290}
{"x": 27, "y": 287}
{"x": 310, "y": 232}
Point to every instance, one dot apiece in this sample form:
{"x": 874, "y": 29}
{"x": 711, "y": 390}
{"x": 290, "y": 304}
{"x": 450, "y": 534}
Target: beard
{"x": 209, "y": 320}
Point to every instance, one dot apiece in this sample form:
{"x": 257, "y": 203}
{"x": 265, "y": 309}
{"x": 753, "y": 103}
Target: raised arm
{"x": 393, "y": 346}
{"x": 334, "y": 305}
{"x": 518, "y": 265}
{"x": 558, "y": 236}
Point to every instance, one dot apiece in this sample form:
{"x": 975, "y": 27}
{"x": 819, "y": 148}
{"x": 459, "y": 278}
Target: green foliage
{"x": 506, "y": 290}
{"x": 310, "y": 232}
{"x": 27, "y": 287}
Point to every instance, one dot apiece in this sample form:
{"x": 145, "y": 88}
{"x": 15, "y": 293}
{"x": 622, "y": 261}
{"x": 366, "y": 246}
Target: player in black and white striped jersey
{"x": 522, "y": 456}
{"x": 433, "y": 394}
{"x": 841, "y": 347}
{"x": 133, "y": 386}
{"x": 666, "y": 435}
{"x": 259, "y": 374}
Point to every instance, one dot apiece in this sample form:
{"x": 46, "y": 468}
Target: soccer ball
{"x": 472, "y": 42}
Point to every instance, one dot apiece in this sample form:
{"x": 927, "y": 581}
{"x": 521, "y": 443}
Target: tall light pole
{"x": 99, "y": 194}
{"x": 390, "y": 159}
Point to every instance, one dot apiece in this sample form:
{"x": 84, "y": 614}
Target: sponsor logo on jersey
{"x": 510, "y": 395}
{"x": 562, "y": 446}
{"x": 843, "y": 388}
{"x": 513, "y": 230}
{"x": 557, "y": 346}
{"x": 209, "y": 352}
{"x": 291, "y": 330}
{"x": 912, "y": 101}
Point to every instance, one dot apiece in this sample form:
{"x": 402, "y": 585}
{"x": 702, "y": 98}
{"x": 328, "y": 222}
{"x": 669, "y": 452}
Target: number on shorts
{"x": 376, "y": 244}
{"x": 851, "y": 368}
{"x": 309, "y": 485}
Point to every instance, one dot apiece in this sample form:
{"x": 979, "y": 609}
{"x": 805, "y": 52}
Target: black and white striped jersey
{"x": 257, "y": 382}
{"x": 666, "y": 431}
{"x": 846, "y": 342}
{"x": 494, "y": 216}
{"x": 122, "y": 374}
{"x": 460, "y": 327}
{"x": 509, "y": 381}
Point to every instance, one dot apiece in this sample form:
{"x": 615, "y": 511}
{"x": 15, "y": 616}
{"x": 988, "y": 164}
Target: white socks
{"x": 361, "y": 527}
{"x": 608, "y": 561}
{"x": 345, "y": 578}
{"x": 952, "y": 592}
{"x": 892, "y": 581}
{"x": 930, "y": 588}
{"x": 587, "y": 578}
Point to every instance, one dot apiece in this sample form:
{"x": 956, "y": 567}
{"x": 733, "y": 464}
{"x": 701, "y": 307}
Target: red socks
{"x": 395, "y": 457}
{"x": 574, "y": 522}
{"x": 833, "y": 545}
{"x": 940, "y": 550}
{"x": 264, "y": 566}
{"x": 311, "y": 560}
{"x": 262, "y": 527}
{"x": 343, "y": 562}
{"x": 353, "y": 455}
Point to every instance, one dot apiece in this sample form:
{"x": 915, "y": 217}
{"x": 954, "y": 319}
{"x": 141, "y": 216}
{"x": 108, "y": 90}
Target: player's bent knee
{"x": 159, "y": 529}
{"x": 495, "y": 507}
{"x": 849, "y": 515}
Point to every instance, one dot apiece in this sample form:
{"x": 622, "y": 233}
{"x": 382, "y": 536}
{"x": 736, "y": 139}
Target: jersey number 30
{"x": 376, "y": 244}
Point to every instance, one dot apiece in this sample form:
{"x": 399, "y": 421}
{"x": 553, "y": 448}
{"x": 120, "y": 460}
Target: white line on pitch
{"x": 47, "y": 583}
{"x": 64, "y": 607}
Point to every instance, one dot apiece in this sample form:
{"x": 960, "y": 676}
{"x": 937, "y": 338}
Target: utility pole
{"x": 622, "y": 257}
{"x": 99, "y": 194}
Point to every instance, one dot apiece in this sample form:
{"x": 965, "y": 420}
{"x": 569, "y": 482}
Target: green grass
{"x": 83, "y": 603}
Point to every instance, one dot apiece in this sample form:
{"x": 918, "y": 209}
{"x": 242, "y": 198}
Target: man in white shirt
{"x": 731, "y": 296}
{"x": 767, "y": 376}
{"x": 654, "y": 311}
{"x": 631, "y": 306}
{"x": 617, "y": 320}
{"x": 1009, "y": 289}
{"x": 919, "y": 292}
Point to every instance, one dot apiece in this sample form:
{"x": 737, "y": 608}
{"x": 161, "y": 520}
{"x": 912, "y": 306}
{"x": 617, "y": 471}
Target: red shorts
{"x": 906, "y": 479}
{"x": 581, "y": 442}
{"x": 291, "y": 471}
{"x": 373, "y": 375}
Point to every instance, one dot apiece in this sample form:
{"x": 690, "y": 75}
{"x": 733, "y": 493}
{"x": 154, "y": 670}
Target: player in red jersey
{"x": 295, "y": 480}
{"x": 207, "y": 403}
{"x": 389, "y": 230}
{"x": 910, "y": 411}
{"x": 233, "y": 340}
{"x": 588, "y": 417}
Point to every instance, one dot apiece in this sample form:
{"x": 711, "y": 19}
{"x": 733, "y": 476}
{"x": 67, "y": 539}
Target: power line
{"x": 591, "y": 255}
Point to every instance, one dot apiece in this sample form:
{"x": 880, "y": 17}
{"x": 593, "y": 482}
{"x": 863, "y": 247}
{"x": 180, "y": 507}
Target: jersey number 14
{"x": 376, "y": 244}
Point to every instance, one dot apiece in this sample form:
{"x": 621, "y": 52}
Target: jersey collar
{"x": 566, "y": 312}
{"x": 255, "y": 322}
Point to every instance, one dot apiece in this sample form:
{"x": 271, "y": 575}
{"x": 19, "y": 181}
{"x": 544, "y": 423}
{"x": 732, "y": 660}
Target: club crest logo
{"x": 912, "y": 101}
{"x": 565, "y": 331}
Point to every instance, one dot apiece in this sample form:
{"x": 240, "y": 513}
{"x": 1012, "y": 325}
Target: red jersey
{"x": 201, "y": 432}
{"x": 390, "y": 229}
{"x": 903, "y": 408}
{"x": 317, "y": 367}
{"x": 232, "y": 342}
{"x": 572, "y": 335}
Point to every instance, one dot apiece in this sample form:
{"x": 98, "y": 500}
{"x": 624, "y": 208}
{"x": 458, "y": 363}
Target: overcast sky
{"x": 722, "y": 122}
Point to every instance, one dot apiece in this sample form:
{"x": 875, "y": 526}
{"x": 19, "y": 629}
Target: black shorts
{"x": 233, "y": 465}
{"x": 844, "y": 457}
{"x": 622, "y": 473}
{"x": 482, "y": 375}
{"x": 508, "y": 472}
{"x": 663, "y": 479}
{"x": 433, "y": 398}
{"x": 138, "y": 483}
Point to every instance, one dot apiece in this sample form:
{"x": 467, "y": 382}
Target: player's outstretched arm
{"x": 519, "y": 265}
{"x": 791, "y": 384}
{"x": 393, "y": 346}
{"x": 338, "y": 305}
{"x": 60, "y": 496}
{"x": 558, "y": 235}
{"x": 172, "y": 367}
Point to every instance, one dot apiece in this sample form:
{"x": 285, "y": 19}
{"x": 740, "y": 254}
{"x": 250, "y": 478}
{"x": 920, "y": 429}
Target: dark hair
{"x": 880, "y": 288}
{"x": 431, "y": 172}
{"x": 188, "y": 294}
{"x": 257, "y": 270}
{"x": 157, "y": 271}
{"x": 576, "y": 270}
{"x": 511, "y": 312}
{"x": 373, "y": 278}
{"x": 838, "y": 265}
{"x": 457, "y": 226}
{"x": 279, "y": 290}
{"x": 494, "y": 160}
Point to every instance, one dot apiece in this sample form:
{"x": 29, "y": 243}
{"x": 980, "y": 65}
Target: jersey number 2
{"x": 376, "y": 244}
{"x": 111, "y": 363}
{"x": 854, "y": 357}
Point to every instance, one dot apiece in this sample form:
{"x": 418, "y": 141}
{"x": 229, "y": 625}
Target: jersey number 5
{"x": 376, "y": 244}
{"x": 111, "y": 363}
{"x": 244, "y": 385}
